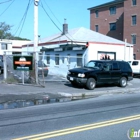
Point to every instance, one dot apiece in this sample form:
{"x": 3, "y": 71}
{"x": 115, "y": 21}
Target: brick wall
{"x": 123, "y": 19}
{"x": 105, "y": 18}
{"x": 129, "y": 29}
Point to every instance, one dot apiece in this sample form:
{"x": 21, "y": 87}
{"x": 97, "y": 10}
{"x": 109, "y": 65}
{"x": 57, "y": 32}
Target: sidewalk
{"x": 59, "y": 87}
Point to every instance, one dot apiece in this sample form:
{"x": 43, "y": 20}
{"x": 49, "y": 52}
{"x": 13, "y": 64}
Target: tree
{"x": 5, "y": 31}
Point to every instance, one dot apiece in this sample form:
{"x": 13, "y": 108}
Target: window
{"x": 112, "y": 26}
{"x": 115, "y": 66}
{"x": 48, "y": 59}
{"x": 4, "y": 46}
{"x": 134, "y": 20}
{"x": 135, "y": 63}
{"x": 134, "y": 56}
{"x": 79, "y": 59}
{"x": 133, "y": 39}
{"x": 96, "y": 28}
{"x": 96, "y": 13}
{"x": 134, "y": 2}
{"x": 112, "y": 10}
{"x": 56, "y": 59}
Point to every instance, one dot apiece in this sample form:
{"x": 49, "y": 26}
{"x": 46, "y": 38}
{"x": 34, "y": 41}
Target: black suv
{"x": 101, "y": 72}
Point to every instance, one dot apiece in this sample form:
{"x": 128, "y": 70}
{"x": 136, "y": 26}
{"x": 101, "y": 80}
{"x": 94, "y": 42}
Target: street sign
{"x": 23, "y": 63}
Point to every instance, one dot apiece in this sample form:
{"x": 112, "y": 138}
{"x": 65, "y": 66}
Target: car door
{"x": 115, "y": 72}
{"x": 104, "y": 76}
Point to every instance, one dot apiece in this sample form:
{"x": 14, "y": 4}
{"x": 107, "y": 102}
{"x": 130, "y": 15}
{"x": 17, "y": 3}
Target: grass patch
{"x": 11, "y": 80}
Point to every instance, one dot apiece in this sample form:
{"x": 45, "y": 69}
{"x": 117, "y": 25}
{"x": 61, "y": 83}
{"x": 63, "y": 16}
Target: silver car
{"x": 42, "y": 69}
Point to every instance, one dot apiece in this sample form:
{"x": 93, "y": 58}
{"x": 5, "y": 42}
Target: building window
{"x": 133, "y": 38}
{"x": 48, "y": 59}
{"x": 134, "y": 2}
{"x": 112, "y": 10}
{"x": 112, "y": 26}
{"x": 3, "y": 46}
{"x": 96, "y": 13}
{"x": 96, "y": 28}
{"x": 134, "y": 20}
{"x": 56, "y": 59}
{"x": 79, "y": 60}
{"x": 134, "y": 56}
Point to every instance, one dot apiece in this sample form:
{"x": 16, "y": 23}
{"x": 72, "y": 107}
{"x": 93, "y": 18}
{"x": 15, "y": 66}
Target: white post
{"x": 125, "y": 49}
{"x": 36, "y": 2}
{"x": 23, "y": 77}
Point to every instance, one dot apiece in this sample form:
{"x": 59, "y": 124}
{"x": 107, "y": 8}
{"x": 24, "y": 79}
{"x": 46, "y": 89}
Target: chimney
{"x": 65, "y": 27}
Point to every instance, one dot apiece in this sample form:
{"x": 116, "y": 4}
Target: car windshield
{"x": 94, "y": 64}
{"x": 41, "y": 64}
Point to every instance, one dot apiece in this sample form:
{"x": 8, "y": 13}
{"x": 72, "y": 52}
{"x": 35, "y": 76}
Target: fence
{"x": 57, "y": 65}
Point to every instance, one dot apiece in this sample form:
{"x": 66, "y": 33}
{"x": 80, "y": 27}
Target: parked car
{"x": 135, "y": 65}
{"x": 100, "y": 72}
{"x": 1, "y": 66}
{"x": 42, "y": 68}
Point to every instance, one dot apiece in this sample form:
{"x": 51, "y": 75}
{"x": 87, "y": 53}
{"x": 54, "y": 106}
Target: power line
{"x": 5, "y": 1}
{"x": 56, "y": 24}
{"x": 52, "y": 12}
{"x": 7, "y": 7}
{"x": 50, "y": 17}
{"x": 22, "y": 22}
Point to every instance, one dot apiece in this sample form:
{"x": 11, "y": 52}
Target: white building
{"x": 76, "y": 47}
{"x": 5, "y": 45}
{"x": 12, "y": 46}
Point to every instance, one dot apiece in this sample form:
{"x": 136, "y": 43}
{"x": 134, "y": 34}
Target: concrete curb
{"x": 75, "y": 96}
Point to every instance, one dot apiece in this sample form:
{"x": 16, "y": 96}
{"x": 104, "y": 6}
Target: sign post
{"x": 23, "y": 63}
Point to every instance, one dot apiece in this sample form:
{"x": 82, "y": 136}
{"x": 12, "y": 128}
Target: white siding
{"x": 122, "y": 53}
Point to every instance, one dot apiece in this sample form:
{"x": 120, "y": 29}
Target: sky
{"x": 15, "y": 13}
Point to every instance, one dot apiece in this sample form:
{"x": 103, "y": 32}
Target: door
{"x": 115, "y": 72}
{"x": 104, "y": 76}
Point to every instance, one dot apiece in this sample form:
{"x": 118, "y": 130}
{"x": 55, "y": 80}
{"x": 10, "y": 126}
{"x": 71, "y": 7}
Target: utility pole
{"x": 36, "y": 3}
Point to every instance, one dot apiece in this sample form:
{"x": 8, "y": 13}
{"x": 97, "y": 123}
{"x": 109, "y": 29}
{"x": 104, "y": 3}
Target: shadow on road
{"x": 68, "y": 84}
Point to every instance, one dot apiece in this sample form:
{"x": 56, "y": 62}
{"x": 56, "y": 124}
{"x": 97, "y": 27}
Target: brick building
{"x": 119, "y": 19}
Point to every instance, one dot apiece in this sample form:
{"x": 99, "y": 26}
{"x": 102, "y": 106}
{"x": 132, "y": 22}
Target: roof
{"x": 77, "y": 35}
{"x": 114, "y": 2}
{"x": 83, "y": 35}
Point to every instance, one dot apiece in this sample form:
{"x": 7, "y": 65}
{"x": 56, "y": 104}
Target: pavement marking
{"x": 79, "y": 128}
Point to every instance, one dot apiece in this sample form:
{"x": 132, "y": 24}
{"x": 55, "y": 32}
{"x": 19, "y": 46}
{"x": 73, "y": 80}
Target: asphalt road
{"x": 42, "y": 122}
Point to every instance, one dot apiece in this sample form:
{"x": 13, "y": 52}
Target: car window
{"x": 107, "y": 67}
{"x": 125, "y": 66}
{"x": 115, "y": 66}
{"x": 94, "y": 64}
{"x": 134, "y": 63}
{"x": 41, "y": 64}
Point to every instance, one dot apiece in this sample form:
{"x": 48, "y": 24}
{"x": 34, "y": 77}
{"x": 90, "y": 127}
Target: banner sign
{"x": 23, "y": 63}
{"x": 106, "y": 56}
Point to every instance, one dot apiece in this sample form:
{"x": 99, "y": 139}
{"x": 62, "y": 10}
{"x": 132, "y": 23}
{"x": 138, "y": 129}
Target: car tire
{"x": 123, "y": 82}
{"x": 91, "y": 83}
{"x": 0, "y": 71}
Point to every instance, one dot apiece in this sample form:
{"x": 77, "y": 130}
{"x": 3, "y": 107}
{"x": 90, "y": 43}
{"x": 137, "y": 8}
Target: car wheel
{"x": 123, "y": 82}
{"x": 91, "y": 83}
{"x": 0, "y": 71}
